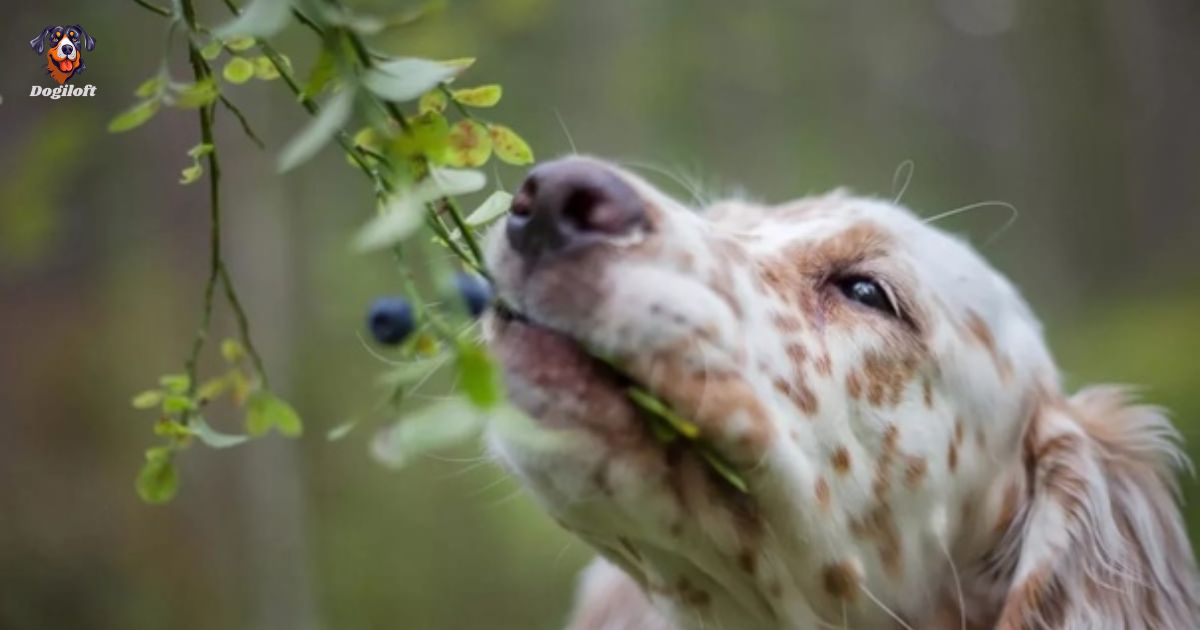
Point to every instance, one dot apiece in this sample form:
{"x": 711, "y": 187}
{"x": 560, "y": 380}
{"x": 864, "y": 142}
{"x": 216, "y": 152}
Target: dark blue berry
{"x": 475, "y": 292}
{"x": 391, "y": 320}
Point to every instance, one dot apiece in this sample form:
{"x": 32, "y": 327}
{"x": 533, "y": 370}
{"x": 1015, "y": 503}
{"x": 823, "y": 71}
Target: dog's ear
{"x": 38, "y": 44}
{"x": 88, "y": 41}
{"x": 1101, "y": 530}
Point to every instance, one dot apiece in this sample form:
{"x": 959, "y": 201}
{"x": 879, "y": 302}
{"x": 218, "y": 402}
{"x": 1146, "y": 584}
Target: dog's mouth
{"x": 564, "y": 384}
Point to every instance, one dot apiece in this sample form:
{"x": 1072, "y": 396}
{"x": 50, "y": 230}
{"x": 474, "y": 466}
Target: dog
{"x": 64, "y": 59}
{"x": 910, "y": 456}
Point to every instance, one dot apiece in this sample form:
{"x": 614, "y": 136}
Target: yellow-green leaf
{"x": 191, "y": 174}
{"x": 321, "y": 74}
{"x": 509, "y": 146}
{"x": 468, "y": 144}
{"x": 232, "y": 350}
{"x": 238, "y": 44}
{"x": 266, "y": 410}
{"x": 264, "y": 69}
{"x": 482, "y": 96}
{"x": 212, "y": 388}
{"x": 238, "y": 70}
{"x": 158, "y": 480}
{"x": 149, "y": 87}
{"x": 478, "y": 376}
{"x": 212, "y": 50}
{"x": 432, "y": 101}
{"x": 197, "y": 94}
{"x": 426, "y": 136}
{"x": 133, "y": 117}
{"x": 175, "y": 383}
{"x": 147, "y": 399}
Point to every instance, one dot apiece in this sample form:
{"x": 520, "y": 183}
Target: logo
{"x": 63, "y": 48}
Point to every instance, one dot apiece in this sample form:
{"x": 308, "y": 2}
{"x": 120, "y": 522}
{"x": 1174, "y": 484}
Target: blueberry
{"x": 391, "y": 320}
{"x": 475, "y": 292}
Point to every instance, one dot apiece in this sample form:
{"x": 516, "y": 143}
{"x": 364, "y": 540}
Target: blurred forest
{"x": 1081, "y": 113}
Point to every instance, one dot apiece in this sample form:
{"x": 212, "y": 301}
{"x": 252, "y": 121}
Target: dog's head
{"x": 63, "y": 47}
{"x": 871, "y": 378}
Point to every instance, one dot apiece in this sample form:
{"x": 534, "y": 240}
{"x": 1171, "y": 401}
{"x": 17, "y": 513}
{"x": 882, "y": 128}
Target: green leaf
{"x": 240, "y": 43}
{"x": 468, "y": 144}
{"x": 238, "y": 70}
{"x": 158, "y": 481}
{"x": 176, "y": 403}
{"x": 650, "y": 403}
{"x": 266, "y": 410}
{"x": 212, "y": 50}
{"x": 232, "y": 350}
{"x": 215, "y": 439}
{"x": 134, "y": 117}
{"x": 212, "y": 388}
{"x": 150, "y": 87}
{"x": 261, "y": 18}
{"x": 509, "y": 146}
{"x": 319, "y": 131}
{"x": 724, "y": 469}
{"x": 321, "y": 74}
{"x": 172, "y": 429}
{"x": 341, "y": 430}
{"x": 200, "y": 150}
{"x": 147, "y": 399}
{"x": 197, "y": 94}
{"x": 399, "y": 219}
{"x": 191, "y": 174}
{"x": 264, "y": 69}
{"x": 407, "y": 78}
{"x": 482, "y": 96}
{"x": 492, "y": 208}
{"x": 478, "y": 376}
{"x": 175, "y": 383}
{"x": 435, "y": 427}
{"x": 426, "y": 136}
{"x": 432, "y": 101}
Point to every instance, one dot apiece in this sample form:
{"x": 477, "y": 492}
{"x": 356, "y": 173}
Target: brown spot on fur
{"x": 821, "y": 490}
{"x": 853, "y": 386}
{"x": 1038, "y": 602}
{"x": 840, "y": 580}
{"x": 823, "y": 364}
{"x": 886, "y": 376}
{"x": 914, "y": 470}
{"x": 952, "y": 457}
{"x": 840, "y": 460}
{"x": 786, "y": 322}
{"x": 927, "y": 393}
{"x": 880, "y": 526}
{"x": 891, "y": 437}
{"x": 1008, "y": 508}
{"x": 800, "y": 395}
{"x": 797, "y": 354}
{"x": 979, "y": 331}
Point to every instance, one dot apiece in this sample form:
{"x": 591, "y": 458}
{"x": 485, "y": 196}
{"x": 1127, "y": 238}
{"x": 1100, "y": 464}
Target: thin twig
{"x": 154, "y": 8}
{"x": 242, "y": 121}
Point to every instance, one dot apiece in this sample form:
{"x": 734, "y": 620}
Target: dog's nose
{"x": 68, "y": 49}
{"x": 568, "y": 203}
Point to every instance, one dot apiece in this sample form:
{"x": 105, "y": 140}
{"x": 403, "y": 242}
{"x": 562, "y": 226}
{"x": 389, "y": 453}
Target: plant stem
{"x": 153, "y": 8}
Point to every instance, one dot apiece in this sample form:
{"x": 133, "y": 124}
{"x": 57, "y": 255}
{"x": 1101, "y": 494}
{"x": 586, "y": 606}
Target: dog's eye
{"x": 868, "y": 292}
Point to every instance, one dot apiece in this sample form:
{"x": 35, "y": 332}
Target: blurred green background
{"x": 1081, "y": 113}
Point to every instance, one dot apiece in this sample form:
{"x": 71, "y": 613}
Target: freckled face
{"x": 848, "y": 359}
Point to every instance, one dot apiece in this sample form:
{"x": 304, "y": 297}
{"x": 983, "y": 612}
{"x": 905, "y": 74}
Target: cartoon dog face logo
{"x": 65, "y": 57}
